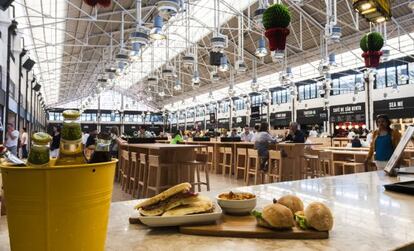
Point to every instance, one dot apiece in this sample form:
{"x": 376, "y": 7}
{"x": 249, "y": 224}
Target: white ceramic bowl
{"x": 239, "y": 207}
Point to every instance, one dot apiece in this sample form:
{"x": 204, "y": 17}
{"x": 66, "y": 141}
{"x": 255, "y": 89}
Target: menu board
{"x": 280, "y": 118}
{"x": 399, "y": 150}
{"x": 348, "y": 113}
{"x": 239, "y": 121}
{"x": 395, "y": 108}
{"x": 312, "y": 116}
{"x": 223, "y": 123}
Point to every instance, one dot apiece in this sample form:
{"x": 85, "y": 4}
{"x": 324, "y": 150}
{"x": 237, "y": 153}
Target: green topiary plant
{"x": 372, "y": 41}
{"x": 363, "y": 43}
{"x": 276, "y": 16}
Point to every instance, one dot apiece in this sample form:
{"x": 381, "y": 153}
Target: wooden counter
{"x": 366, "y": 218}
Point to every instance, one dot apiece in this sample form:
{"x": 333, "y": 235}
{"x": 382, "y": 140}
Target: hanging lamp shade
{"x": 261, "y": 50}
{"x": 157, "y": 33}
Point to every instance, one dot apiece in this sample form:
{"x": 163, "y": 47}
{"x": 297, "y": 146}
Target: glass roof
{"x": 44, "y": 38}
{"x": 399, "y": 47}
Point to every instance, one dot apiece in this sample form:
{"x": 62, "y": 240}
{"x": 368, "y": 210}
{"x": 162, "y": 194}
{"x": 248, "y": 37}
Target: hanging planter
{"x": 371, "y": 44}
{"x": 275, "y": 20}
{"x": 103, "y": 3}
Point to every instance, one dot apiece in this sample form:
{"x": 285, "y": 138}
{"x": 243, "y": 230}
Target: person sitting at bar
{"x": 384, "y": 141}
{"x": 234, "y": 133}
{"x": 246, "y": 136}
{"x": 177, "y": 138}
{"x": 356, "y": 142}
{"x": 262, "y": 141}
{"x": 295, "y": 135}
{"x": 143, "y": 133}
{"x": 224, "y": 133}
{"x": 255, "y": 131}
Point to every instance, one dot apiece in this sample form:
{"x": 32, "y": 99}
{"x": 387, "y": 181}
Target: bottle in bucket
{"x": 39, "y": 151}
{"x": 70, "y": 149}
{"x": 101, "y": 153}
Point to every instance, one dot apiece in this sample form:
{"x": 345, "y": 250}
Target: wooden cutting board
{"x": 246, "y": 227}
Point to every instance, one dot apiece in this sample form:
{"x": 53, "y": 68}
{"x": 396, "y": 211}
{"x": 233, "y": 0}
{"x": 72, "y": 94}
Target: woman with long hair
{"x": 177, "y": 138}
{"x": 384, "y": 141}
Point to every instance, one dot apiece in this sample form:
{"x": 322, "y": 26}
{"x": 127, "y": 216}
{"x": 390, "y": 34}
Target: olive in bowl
{"x": 238, "y": 203}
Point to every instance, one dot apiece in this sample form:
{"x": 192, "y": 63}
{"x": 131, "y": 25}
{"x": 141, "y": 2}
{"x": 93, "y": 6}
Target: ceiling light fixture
{"x": 224, "y": 66}
{"x": 261, "y": 50}
{"x": 157, "y": 33}
{"x": 168, "y": 8}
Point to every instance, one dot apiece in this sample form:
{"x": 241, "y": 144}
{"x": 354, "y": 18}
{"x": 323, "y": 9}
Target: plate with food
{"x": 177, "y": 206}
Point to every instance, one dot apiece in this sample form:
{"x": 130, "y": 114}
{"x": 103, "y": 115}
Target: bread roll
{"x": 278, "y": 216}
{"x": 319, "y": 216}
{"x": 294, "y": 203}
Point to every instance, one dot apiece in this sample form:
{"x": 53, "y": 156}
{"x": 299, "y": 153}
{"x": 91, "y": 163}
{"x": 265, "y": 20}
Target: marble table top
{"x": 366, "y": 218}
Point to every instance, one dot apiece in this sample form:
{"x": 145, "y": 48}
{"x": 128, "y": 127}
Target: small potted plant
{"x": 103, "y": 3}
{"x": 275, "y": 20}
{"x": 371, "y": 44}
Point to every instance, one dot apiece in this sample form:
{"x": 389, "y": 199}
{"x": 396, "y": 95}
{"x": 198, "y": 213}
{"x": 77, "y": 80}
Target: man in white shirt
{"x": 23, "y": 143}
{"x": 246, "y": 136}
{"x": 12, "y": 137}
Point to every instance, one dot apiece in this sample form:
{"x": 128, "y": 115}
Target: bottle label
{"x": 70, "y": 146}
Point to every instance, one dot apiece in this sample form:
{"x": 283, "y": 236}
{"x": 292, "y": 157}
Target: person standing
{"x": 262, "y": 141}
{"x": 54, "y": 146}
{"x": 12, "y": 138}
{"x": 313, "y": 132}
{"x": 295, "y": 135}
{"x": 384, "y": 141}
{"x": 114, "y": 142}
{"x": 23, "y": 143}
{"x": 246, "y": 136}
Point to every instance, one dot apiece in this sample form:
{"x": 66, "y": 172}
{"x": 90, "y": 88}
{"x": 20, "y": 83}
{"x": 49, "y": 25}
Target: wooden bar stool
{"x": 338, "y": 167}
{"x": 228, "y": 163}
{"x": 311, "y": 166}
{"x": 353, "y": 167}
{"x": 125, "y": 170}
{"x": 133, "y": 179}
{"x": 210, "y": 158}
{"x": 198, "y": 164}
{"x": 157, "y": 175}
{"x": 275, "y": 166}
{"x": 325, "y": 166}
{"x": 253, "y": 166}
{"x": 142, "y": 176}
{"x": 241, "y": 162}
{"x": 221, "y": 161}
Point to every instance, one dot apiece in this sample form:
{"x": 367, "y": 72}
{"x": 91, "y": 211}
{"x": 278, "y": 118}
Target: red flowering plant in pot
{"x": 371, "y": 44}
{"x": 103, "y": 3}
{"x": 276, "y": 19}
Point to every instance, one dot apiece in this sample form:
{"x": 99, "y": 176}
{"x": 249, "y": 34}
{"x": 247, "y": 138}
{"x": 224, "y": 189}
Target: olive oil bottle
{"x": 39, "y": 151}
{"x": 70, "y": 148}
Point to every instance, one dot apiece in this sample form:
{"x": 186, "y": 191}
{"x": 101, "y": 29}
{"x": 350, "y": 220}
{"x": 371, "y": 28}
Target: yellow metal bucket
{"x": 59, "y": 207}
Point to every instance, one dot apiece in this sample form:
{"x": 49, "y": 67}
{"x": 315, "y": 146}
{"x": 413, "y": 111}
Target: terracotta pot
{"x": 104, "y": 3}
{"x": 91, "y": 2}
{"x": 277, "y": 38}
{"x": 372, "y": 58}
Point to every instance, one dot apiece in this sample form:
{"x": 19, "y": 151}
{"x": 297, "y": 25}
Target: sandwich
{"x": 175, "y": 201}
{"x": 275, "y": 216}
{"x": 316, "y": 216}
{"x": 294, "y": 203}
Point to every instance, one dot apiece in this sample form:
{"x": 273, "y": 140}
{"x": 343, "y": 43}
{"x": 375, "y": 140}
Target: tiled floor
{"x": 218, "y": 182}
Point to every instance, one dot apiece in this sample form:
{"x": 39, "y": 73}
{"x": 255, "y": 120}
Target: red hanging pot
{"x": 91, "y": 2}
{"x": 372, "y": 58}
{"x": 104, "y": 3}
{"x": 277, "y": 38}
